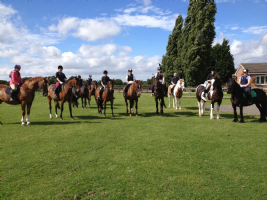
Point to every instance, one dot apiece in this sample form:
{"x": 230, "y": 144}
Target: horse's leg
{"x": 29, "y": 105}
{"x": 136, "y": 106}
{"x": 23, "y": 105}
{"x": 241, "y": 114}
{"x": 131, "y": 106}
{"x": 105, "y": 108}
{"x": 85, "y": 102}
{"x": 180, "y": 108}
{"x": 169, "y": 100}
{"x": 261, "y": 109}
{"x": 161, "y": 105}
{"x": 126, "y": 105}
{"x": 82, "y": 101}
{"x": 157, "y": 109}
{"x": 62, "y": 104}
{"x": 70, "y": 110}
{"x": 111, "y": 105}
{"x": 56, "y": 107}
{"x": 202, "y": 104}
{"x": 174, "y": 102}
{"x": 211, "y": 110}
{"x": 235, "y": 114}
{"x": 199, "y": 108}
{"x": 218, "y": 109}
{"x": 49, "y": 103}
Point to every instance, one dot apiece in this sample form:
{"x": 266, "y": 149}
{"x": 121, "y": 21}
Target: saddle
{"x": 60, "y": 88}
{"x": 8, "y": 90}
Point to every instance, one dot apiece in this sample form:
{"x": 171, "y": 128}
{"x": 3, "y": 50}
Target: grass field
{"x": 176, "y": 156}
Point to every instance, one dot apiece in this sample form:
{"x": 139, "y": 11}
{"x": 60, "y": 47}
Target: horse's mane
{"x": 179, "y": 85}
{"x": 33, "y": 79}
{"x": 71, "y": 79}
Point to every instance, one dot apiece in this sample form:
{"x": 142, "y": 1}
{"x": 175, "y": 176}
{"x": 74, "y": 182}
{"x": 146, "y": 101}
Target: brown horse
{"x": 92, "y": 91}
{"x": 177, "y": 94}
{"x": 83, "y": 93}
{"x": 215, "y": 95}
{"x": 66, "y": 94}
{"x": 107, "y": 95}
{"x": 133, "y": 94}
{"x": 159, "y": 91}
{"x": 26, "y": 95}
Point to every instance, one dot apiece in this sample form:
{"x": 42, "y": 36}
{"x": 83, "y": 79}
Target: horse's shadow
{"x": 45, "y": 123}
{"x": 250, "y": 118}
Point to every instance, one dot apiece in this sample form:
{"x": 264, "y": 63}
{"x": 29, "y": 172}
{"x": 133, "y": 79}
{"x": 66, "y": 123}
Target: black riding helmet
{"x": 130, "y": 70}
{"x": 105, "y": 72}
{"x": 212, "y": 69}
{"x": 60, "y": 67}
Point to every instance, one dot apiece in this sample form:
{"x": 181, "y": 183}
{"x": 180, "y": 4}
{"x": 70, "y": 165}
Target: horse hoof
{"x": 136, "y": 115}
{"x": 169, "y": 106}
{"x": 113, "y": 115}
{"x": 211, "y": 117}
{"x": 82, "y": 108}
{"x": 130, "y": 115}
{"x": 180, "y": 108}
{"x": 218, "y": 117}
{"x": 61, "y": 118}
{"x": 23, "y": 125}
{"x": 235, "y": 120}
{"x": 28, "y": 123}
{"x": 175, "y": 108}
{"x": 72, "y": 118}
{"x": 104, "y": 115}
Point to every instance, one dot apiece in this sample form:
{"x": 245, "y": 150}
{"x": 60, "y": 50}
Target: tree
{"x": 171, "y": 62}
{"x": 223, "y": 61}
{"x": 198, "y": 35}
{"x": 118, "y": 82}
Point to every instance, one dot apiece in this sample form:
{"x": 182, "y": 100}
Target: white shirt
{"x": 130, "y": 81}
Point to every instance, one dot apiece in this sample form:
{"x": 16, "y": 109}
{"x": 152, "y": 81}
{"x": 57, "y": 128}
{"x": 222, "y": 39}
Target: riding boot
{"x": 57, "y": 92}
{"x": 12, "y": 95}
{"x": 100, "y": 94}
{"x": 249, "y": 98}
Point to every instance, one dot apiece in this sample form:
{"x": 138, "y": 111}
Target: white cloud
{"x": 6, "y": 11}
{"x": 234, "y": 28}
{"x": 259, "y": 30}
{"x": 147, "y": 2}
{"x": 218, "y": 39}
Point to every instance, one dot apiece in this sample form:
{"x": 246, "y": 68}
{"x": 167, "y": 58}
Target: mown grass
{"x": 176, "y": 156}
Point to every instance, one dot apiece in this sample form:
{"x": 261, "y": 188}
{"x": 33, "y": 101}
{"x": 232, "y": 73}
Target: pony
{"x": 238, "y": 99}
{"x": 26, "y": 95}
{"x": 66, "y": 94}
{"x": 92, "y": 91}
{"x": 159, "y": 95}
{"x": 177, "y": 94}
{"x": 107, "y": 95}
{"x": 133, "y": 94}
{"x": 214, "y": 95}
{"x": 83, "y": 93}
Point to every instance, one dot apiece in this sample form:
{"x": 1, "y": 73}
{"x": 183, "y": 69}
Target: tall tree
{"x": 171, "y": 62}
{"x": 198, "y": 35}
{"x": 223, "y": 61}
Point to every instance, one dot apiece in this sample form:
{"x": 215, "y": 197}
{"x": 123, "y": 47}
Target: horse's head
{"x": 94, "y": 85}
{"x": 137, "y": 84}
{"x": 230, "y": 85}
{"x": 43, "y": 85}
{"x": 181, "y": 83}
{"x": 110, "y": 85}
{"x": 75, "y": 83}
{"x": 215, "y": 82}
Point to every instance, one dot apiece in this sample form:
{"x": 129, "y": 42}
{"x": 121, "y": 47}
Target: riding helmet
{"x": 60, "y": 67}
{"x": 159, "y": 68}
{"x": 245, "y": 70}
{"x": 90, "y": 75}
{"x": 212, "y": 69}
{"x": 105, "y": 72}
{"x": 79, "y": 76}
{"x": 130, "y": 70}
{"x": 17, "y": 66}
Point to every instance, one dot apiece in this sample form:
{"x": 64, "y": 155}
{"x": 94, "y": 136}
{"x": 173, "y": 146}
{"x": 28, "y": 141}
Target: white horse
{"x": 177, "y": 94}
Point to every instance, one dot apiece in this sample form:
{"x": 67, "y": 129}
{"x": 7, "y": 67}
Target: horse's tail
{"x": 164, "y": 103}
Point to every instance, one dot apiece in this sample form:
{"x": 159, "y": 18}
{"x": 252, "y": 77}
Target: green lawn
{"x": 176, "y": 156}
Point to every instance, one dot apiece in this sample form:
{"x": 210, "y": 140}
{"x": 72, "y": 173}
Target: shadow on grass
{"x": 108, "y": 116}
{"x": 252, "y": 118}
{"x": 191, "y": 108}
{"x": 45, "y": 123}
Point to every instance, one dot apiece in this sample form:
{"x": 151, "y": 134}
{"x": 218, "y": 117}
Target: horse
{"x": 26, "y": 95}
{"x": 133, "y": 94}
{"x": 107, "y": 95}
{"x": 83, "y": 93}
{"x": 177, "y": 94}
{"x": 66, "y": 94}
{"x": 92, "y": 91}
{"x": 238, "y": 99}
{"x": 159, "y": 91}
{"x": 214, "y": 95}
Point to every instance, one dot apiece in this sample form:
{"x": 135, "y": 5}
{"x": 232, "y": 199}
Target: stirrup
{"x": 11, "y": 99}
{"x": 152, "y": 94}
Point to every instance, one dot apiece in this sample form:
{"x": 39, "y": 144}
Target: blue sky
{"x": 87, "y": 37}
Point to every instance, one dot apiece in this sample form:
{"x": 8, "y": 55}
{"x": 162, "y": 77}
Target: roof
{"x": 255, "y": 67}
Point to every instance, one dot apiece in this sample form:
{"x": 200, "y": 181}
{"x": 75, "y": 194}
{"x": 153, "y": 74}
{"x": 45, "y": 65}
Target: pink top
{"x": 15, "y": 78}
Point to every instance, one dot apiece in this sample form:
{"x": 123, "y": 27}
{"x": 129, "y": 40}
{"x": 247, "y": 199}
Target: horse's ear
{"x": 141, "y": 81}
{"x": 47, "y": 78}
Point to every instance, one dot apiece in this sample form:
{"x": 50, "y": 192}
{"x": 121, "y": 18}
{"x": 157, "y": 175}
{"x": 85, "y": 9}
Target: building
{"x": 258, "y": 73}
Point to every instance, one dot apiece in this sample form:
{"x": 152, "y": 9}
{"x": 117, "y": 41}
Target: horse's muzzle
{"x": 112, "y": 91}
{"x": 44, "y": 94}
{"x": 228, "y": 91}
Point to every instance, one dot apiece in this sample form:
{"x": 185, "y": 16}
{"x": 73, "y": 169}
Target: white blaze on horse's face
{"x": 212, "y": 82}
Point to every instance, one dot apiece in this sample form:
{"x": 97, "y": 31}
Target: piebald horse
{"x": 92, "y": 91}
{"x": 177, "y": 94}
{"x": 214, "y": 95}
{"x": 26, "y": 95}
{"x": 159, "y": 95}
{"x": 133, "y": 94}
{"x": 107, "y": 95}
{"x": 66, "y": 94}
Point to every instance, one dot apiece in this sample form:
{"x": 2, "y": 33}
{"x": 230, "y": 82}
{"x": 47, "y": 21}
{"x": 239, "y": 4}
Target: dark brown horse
{"x": 159, "y": 91}
{"x": 83, "y": 94}
{"x": 92, "y": 91}
{"x": 133, "y": 94}
{"x": 26, "y": 95}
{"x": 66, "y": 94}
{"x": 238, "y": 99}
{"x": 215, "y": 95}
{"x": 107, "y": 95}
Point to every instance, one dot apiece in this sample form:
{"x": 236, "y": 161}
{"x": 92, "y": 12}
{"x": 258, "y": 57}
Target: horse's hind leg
{"x": 169, "y": 100}
{"x": 62, "y": 108}
{"x": 105, "y": 108}
{"x": 29, "y": 105}
{"x": 131, "y": 106}
{"x": 161, "y": 106}
{"x": 23, "y": 105}
{"x": 262, "y": 111}
{"x": 56, "y": 107}
{"x": 241, "y": 114}
{"x": 218, "y": 109}
{"x": 136, "y": 106}
{"x": 180, "y": 107}
{"x": 211, "y": 110}
{"x": 235, "y": 114}
{"x": 157, "y": 109}
{"x": 85, "y": 102}
{"x": 70, "y": 110}
{"x": 126, "y": 105}
{"x": 49, "y": 104}
{"x": 82, "y": 102}
{"x": 111, "y": 105}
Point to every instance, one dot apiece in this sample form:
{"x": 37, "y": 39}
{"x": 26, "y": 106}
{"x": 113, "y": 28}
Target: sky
{"x": 90, "y": 36}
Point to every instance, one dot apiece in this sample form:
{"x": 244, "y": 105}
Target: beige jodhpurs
{"x": 14, "y": 87}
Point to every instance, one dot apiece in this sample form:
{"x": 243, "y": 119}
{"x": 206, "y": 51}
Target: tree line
{"x": 189, "y": 51}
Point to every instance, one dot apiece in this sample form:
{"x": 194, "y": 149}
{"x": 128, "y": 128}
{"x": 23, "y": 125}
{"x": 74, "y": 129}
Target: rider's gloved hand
{"x": 61, "y": 82}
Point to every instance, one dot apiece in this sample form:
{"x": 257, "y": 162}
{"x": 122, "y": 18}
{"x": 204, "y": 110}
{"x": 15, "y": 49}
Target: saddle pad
{"x": 54, "y": 88}
{"x": 252, "y": 93}
{"x": 8, "y": 90}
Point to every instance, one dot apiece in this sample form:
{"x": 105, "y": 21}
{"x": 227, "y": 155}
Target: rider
{"x": 15, "y": 81}
{"x": 104, "y": 83}
{"x": 208, "y": 79}
{"x": 174, "y": 81}
{"x": 130, "y": 78}
{"x": 160, "y": 76}
{"x": 81, "y": 80}
{"x": 61, "y": 78}
{"x": 90, "y": 79}
{"x": 245, "y": 82}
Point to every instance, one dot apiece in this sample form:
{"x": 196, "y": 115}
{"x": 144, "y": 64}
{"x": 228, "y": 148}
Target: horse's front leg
{"x": 175, "y": 102}
{"x": 235, "y": 114}
{"x": 157, "y": 109}
{"x": 202, "y": 104}
{"x": 23, "y": 105}
{"x": 131, "y": 106}
{"x": 29, "y": 105}
{"x": 136, "y": 106}
{"x": 56, "y": 107}
{"x": 50, "y": 107}
{"x": 199, "y": 108}
{"x": 161, "y": 105}
{"x": 111, "y": 105}
{"x": 70, "y": 109}
{"x": 169, "y": 100}
{"x": 241, "y": 114}
{"x": 85, "y": 102}
{"x": 211, "y": 110}
{"x": 126, "y": 102}
{"x": 82, "y": 102}
{"x": 105, "y": 108}
{"x": 62, "y": 108}
{"x": 180, "y": 107}
{"x": 218, "y": 109}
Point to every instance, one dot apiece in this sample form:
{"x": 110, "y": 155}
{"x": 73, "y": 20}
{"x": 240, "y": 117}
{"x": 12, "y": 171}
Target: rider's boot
{"x": 249, "y": 98}
{"x": 12, "y": 95}
{"x": 56, "y": 93}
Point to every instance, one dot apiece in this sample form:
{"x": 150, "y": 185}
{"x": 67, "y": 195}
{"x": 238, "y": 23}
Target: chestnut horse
{"x": 214, "y": 95}
{"x": 159, "y": 91}
{"x": 107, "y": 95}
{"x": 177, "y": 94}
{"x": 133, "y": 94}
{"x": 26, "y": 95}
{"x": 238, "y": 99}
{"x": 92, "y": 91}
{"x": 66, "y": 94}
